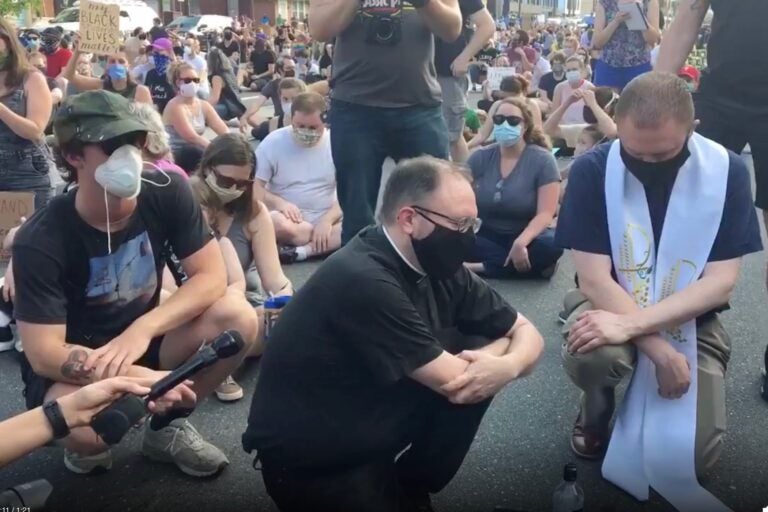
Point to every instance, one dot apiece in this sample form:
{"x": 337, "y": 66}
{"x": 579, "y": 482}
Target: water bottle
{"x": 568, "y": 496}
{"x": 272, "y": 307}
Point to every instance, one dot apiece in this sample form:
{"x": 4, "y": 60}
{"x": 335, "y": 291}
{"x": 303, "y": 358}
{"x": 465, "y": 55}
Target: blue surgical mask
{"x": 507, "y": 135}
{"x": 117, "y": 72}
{"x": 573, "y": 76}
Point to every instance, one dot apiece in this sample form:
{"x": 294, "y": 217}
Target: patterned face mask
{"x": 306, "y": 137}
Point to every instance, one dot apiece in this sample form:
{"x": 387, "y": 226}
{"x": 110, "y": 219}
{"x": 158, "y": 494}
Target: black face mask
{"x": 443, "y": 251}
{"x": 289, "y": 73}
{"x": 227, "y": 36}
{"x": 651, "y": 173}
{"x": 589, "y": 116}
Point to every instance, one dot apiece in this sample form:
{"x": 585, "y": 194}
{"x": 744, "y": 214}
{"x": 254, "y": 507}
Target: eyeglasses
{"x": 463, "y": 225}
{"x": 227, "y": 182}
{"x": 190, "y": 80}
{"x": 511, "y": 120}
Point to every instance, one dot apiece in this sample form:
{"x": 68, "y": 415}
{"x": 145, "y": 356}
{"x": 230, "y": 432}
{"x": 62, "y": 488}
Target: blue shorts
{"x": 618, "y": 78}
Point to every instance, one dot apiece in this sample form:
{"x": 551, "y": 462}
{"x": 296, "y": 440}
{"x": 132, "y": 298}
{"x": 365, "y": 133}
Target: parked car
{"x": 133, "y": 14}
{"x": 197, "y": 25}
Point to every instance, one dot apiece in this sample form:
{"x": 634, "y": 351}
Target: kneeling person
{"x": 658, "y": 222}
{"x": 296, "y": 179}
{"x": 88, "y": 270}
{"x": 391, "y": 343}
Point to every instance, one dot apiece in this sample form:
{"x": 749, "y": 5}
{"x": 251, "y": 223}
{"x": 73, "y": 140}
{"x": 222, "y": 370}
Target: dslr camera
{"x": 383, "y": 30}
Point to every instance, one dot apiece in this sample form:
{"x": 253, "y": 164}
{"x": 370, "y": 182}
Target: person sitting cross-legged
{"x": 88, "y": 273}
{"x": 295, "y": 176}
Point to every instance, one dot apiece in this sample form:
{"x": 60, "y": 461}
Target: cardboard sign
{"x": 99, "y": 28}
{"x": 496, "y": 74}
{"x": 13, "y": 206}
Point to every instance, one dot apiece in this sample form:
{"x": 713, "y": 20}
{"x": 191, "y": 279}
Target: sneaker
{"x": 562, "y": 317}
{"x": 82, "y": 465}
{"x": 179, "y": 443}
{"x": 7, "y": 341}
{"x": 764, "y": 387}
{"x": 287, "y": 255}
{"x": 229, "y": 391}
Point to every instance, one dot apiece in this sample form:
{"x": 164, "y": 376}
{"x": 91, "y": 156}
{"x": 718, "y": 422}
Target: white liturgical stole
{"x": 654, "y": 439}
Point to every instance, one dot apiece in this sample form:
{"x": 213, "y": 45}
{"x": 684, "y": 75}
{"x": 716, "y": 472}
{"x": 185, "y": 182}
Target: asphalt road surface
{"x": 515, "y": 462}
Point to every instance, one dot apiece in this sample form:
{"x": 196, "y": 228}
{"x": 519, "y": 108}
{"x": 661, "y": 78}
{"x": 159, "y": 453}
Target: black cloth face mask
{"x": 649, "y": 173}
{"x": 443, "y": 251}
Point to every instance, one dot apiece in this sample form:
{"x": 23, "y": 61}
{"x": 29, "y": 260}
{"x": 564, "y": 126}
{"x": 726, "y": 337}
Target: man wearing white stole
{"x": 657, "y": 222}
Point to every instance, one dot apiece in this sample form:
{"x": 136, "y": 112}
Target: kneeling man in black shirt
{"x": 88, "y": 272}
{"x": 392, "y": 347}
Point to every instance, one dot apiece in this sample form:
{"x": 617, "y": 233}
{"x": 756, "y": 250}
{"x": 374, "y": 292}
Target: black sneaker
{"x": 287, "y": 254}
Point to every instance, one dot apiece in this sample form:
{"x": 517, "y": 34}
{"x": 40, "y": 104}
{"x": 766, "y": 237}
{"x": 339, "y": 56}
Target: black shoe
{"x": 764, "y": 388}
{"x": 7, "y": 341}
{"x": 287, "y": 255}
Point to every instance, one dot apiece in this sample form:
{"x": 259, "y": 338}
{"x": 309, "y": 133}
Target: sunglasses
{"x": 227, "y": 182}
{"x": 511, "y": 120}
{"x": 189, "y": 80}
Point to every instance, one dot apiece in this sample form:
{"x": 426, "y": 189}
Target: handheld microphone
{"x": 112, "y": 423}
{"x": 228, "y": 344}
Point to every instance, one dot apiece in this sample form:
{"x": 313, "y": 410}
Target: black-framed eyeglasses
{"x": 463, "y": 225}
{"x": 511, "y": 120}
{"x": 189, "y": 80}
{"x": 227, "y": 182}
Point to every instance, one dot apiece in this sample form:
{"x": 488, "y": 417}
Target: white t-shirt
{"x": 541, "y": 68}
{"x": 200, "y": 64}
{"x": 303, "y": 176}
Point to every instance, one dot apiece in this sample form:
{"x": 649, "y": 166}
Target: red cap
{"x": 691, "y": 72}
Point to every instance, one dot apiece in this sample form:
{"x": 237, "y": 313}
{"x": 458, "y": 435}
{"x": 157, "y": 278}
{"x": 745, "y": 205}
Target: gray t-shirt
{"x": 381, "y": 75}
{"x": 519, "y": 191}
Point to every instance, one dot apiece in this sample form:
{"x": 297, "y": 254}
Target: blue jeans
{"x": 492, "y": 249}
{"x": 363, "y": 137}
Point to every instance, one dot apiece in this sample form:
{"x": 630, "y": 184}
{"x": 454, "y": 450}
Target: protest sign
{"x": 99, "y": 27}
{"x": 13, "y": 206}
{"x": 496, "y": 74}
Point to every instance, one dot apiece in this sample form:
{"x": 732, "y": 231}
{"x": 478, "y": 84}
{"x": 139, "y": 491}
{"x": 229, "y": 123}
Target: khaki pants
{"x": 601, "y": 370}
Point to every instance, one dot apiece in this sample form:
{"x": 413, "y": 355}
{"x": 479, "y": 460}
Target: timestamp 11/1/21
{"x": 15, "y": 509}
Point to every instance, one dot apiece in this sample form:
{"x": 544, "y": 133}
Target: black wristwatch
{"x": 56, "y": 419}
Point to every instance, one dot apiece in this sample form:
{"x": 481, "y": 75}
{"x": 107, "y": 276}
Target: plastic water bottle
{"x": 568, "y": 496}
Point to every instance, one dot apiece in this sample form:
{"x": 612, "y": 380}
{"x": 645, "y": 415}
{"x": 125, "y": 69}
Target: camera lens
{"x": 385, "y": 30}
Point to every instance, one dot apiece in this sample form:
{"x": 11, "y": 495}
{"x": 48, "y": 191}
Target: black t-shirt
{"x": 272, "y": 91}
{"x": 261, "y": 61}
{"x": 230, "y": 49}
{"x": 156, "y": 33}
{"x": 69, "y": 277}
{"x": 548, "y": 83}
{"x": 161, "y": 90}
{"x": 488, "y": 55}
{"x": 737, "y": 60}
{"x": 446, "y": 53}
{"x": 334, "y": 386}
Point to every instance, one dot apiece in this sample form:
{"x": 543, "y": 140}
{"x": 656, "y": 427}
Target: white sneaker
{"x": 229, "y": 390}
{"x": 83, "y": 465}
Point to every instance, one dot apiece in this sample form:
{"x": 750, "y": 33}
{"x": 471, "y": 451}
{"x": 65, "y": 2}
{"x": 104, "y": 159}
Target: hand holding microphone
{"x": 113, "y": 423}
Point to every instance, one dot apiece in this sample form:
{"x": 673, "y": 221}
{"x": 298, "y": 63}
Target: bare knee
{"x": 233, "y": 312}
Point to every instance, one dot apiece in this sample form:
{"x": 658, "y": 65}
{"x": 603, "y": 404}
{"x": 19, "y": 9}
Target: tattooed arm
{"x": 52, "y": 357}
{"x": 681, "y": 35}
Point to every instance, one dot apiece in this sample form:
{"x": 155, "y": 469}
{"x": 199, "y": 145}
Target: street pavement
{"x": 515, "y": 462}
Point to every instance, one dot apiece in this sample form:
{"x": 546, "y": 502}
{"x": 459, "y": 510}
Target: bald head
{"x": 653, "y": 99}
{"x": 417, "y": 181}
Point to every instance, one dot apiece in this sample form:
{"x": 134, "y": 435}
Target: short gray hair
{"x": 158, "y": 145}
{"x": 653, "y": 98}
{"x": 412, "y": 181}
